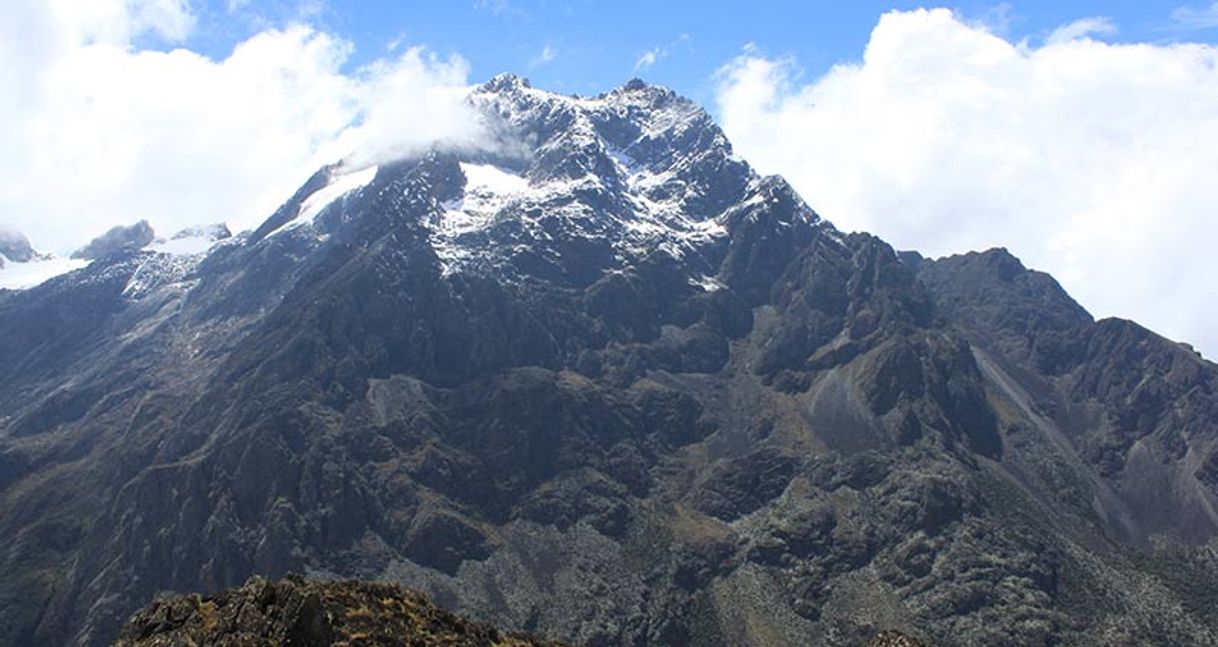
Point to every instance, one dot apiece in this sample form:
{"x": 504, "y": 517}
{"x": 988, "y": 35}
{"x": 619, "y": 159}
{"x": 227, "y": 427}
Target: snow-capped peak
{"x": 618, "y": 177}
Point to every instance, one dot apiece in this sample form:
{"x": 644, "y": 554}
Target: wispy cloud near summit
{"x": 179, "y": 138}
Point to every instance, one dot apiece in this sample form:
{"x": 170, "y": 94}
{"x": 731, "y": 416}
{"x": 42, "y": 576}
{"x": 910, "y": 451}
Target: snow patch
{"x": 157, "y": 270}
{"x": 489, "y": 178}
{"x": 488, "y": 189}
{"x": 626, "y": 164}
{"x": 707, "y": 283}
{"x": 22, "y": 276}
{"x": 339, "y": 186}
{"x": 185, "y": 246}
{"x": 194, "y": 241}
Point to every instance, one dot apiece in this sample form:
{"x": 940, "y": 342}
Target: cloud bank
{"x": 96, "y": 132}
{"x": 1090, "y": 160}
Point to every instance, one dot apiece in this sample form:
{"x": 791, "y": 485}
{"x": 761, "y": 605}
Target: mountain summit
{"x": 603, "y": 382}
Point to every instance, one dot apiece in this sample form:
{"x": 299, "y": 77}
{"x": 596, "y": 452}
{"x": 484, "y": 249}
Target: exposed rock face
{"x": 117, "y": 240}
{"x": 309, "y": 613}
{"x": 15, "y": 247}
{"x": 1136, "y": 409}
{"x": 894, "y": 639}
{"x": 611, "y": 386}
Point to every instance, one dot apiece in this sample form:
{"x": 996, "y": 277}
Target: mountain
{"x": 604, "y": 383}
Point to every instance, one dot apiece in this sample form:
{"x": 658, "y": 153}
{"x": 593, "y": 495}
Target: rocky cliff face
{"x": 609, "y": 385}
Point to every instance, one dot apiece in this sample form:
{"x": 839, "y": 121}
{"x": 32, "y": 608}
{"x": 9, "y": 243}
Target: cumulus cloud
{"x": 1092, "y": 161}
{"x": 96, "y": 132}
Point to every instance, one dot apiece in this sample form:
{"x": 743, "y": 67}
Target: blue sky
{"x": 586, "y": 47}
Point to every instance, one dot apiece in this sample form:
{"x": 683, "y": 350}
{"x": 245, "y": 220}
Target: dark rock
{"x": 15, "y": 246}
{"x": 117, "y": 240}
{"x": 1021, "y": 313}
{"x": 442, "y": 540}
{"x": 583, "y": 496}
{"x": 737, "y": 487}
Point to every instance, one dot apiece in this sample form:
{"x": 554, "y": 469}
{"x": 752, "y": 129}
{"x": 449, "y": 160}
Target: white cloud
{"x": 1089, "y": 160}
{"x": 410, "y": 103}
{"x": 1082, "y": 28}
{"x": 119, "y": 20}
{"x": 648, "y": 58}
{"x": 1191, "y": 18}
{"x": 95, "y": 132}
{"x": 661, "y": 52}
{"x": 496, "y": 7}
{"x": 547, "y": 54}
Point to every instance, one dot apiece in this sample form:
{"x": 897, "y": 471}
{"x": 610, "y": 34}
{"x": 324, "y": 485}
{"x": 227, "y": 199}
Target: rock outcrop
{"x": 117, "y": 240}
{"x": 304, "y": 613}
{"x": 15, "y": 247}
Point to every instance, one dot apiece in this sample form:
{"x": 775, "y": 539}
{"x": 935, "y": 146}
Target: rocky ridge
{"x": 298, "y": 612}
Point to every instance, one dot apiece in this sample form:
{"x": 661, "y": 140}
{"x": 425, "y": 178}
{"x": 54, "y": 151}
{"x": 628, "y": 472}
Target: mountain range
{"x": 607, "y": 385}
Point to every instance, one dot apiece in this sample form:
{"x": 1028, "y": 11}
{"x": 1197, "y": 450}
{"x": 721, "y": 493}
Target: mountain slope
{"x": 605, "y": 383}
